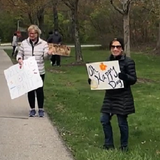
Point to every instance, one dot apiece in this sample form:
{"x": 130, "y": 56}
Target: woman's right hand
{"x": 20, "y": 61}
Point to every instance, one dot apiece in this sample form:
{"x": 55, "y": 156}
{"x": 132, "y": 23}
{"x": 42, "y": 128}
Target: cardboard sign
{"x": 57, "y": 49}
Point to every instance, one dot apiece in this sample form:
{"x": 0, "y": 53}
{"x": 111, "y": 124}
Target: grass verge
{"x": 75, "y": 109}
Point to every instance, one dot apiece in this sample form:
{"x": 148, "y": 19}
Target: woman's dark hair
{"x": 120, "y": 40}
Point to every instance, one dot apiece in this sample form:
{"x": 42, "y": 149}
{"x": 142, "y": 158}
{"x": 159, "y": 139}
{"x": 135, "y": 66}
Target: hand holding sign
{"x": 123, "y": 76}
{"x": 20, "y": 61}
{"x": 89, "y": 81}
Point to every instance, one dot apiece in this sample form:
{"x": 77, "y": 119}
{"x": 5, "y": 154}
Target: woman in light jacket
{"x": 34, "y": 46}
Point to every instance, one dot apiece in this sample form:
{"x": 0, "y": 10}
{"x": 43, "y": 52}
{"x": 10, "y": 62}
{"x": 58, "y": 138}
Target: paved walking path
{"x": 23, "y": 137}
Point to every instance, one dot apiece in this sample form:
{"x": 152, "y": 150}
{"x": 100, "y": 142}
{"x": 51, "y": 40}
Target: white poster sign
{"x": 104, "y": 75}
{"x": 21, "y": 80}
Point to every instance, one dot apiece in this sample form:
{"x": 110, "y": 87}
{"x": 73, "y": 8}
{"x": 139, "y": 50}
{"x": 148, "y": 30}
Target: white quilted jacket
{"x": 39, "y": 50}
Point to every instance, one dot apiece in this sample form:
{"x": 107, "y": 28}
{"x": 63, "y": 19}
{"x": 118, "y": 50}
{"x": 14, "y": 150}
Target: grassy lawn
{"x": 75, "y": 109}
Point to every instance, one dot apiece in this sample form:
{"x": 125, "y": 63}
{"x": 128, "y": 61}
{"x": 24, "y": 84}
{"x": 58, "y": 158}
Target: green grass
{"x": 75, "y": 109}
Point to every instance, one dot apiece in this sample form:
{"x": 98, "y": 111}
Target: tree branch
{"x": 117, "y": 8}
{"x": 67, "y": 3}
{"x": 127, "y": 6}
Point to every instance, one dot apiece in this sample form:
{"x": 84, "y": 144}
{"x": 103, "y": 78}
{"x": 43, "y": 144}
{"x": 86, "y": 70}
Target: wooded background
{"x": 85, "y": 21}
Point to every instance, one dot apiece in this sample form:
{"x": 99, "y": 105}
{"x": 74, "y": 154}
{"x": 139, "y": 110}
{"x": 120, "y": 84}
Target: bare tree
{"x": 73, "y": 5}
{"x": 55, "y": 14}
{"x": 126, "y": 28}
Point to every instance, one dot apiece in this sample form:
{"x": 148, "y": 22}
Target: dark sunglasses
{"x": 118, "y": 47}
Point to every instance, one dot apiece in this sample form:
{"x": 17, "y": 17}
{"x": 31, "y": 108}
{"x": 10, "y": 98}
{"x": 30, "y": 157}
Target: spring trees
{"x": 126, "y": 28}
{"x": 73, "y": 6}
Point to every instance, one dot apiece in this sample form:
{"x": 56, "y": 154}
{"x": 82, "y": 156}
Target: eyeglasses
{"x": 32, "y": 33}
{"x": 118, "y": 47}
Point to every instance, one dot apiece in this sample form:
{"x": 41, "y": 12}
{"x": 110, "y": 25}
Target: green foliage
{"x": 64, "y": 26}
{"x": 104, "y": 21}
{"x": 98, "y": 21}
{"x": 7, "y": 27}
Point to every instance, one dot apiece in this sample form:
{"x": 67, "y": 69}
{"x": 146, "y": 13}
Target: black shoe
{"x": 41, "y": 113}
{"x": 32, "y": 113}
{"x": 124, "y": 148}
{"x": 110, "y": 147}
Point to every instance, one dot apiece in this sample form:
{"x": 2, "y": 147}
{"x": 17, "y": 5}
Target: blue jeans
{"x": 107, "y": 128}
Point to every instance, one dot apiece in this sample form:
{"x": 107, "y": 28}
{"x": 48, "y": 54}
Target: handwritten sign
{"x": 104, "y": 75}
{"x": 57, "y": 49}
{"x": 21, "y": 80}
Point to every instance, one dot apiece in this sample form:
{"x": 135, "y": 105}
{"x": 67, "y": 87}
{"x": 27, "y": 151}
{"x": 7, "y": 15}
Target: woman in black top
{"x": 119, "y": 101}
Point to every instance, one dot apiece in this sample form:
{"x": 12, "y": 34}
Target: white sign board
{"x": 21, "y": 80}
{"x": 104, "y": 75}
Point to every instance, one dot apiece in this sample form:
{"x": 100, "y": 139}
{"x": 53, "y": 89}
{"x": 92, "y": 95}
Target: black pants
{"x": 40, "y": 96}
{"x": 14, "y": 47}
{"x": 56, "y": 59}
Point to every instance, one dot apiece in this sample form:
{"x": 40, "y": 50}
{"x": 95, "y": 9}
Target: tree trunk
{"x": 55, "y": 15}
{"x": 126, "y": 28}
{"x": 30, "y": 18}
{"x": 78, "y": 51}
{"x": 40, "y": 18}
{"x": 126, "y": 34}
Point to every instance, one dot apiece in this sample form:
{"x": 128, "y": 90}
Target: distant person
{"x": 55, "y": 38}
{"x": 34, "y": 46}
{"x": 118, "y": 102}
{"x": 14, "y": 43}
